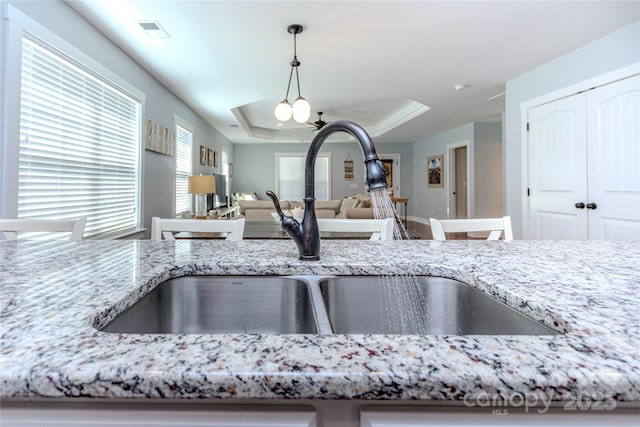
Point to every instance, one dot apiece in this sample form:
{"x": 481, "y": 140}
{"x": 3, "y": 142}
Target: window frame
{"x": 16, "y": 24}
{"x": 224, "y": 170}
{"x": 303, "y": 155}
{"x": 178, "y": 121}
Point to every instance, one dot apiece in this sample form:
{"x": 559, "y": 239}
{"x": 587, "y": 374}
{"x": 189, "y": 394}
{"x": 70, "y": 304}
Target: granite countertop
{"x": 51, "y": 295}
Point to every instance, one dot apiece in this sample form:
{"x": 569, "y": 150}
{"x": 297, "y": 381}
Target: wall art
{"x": 203, "y": 155}
{"x": 158, "y": 138}
{"x": 435, "y": 177}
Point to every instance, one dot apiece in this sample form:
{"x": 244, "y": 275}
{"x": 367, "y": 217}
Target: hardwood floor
{"x": 419, "y": 230}
{"x": 423, "y": 231}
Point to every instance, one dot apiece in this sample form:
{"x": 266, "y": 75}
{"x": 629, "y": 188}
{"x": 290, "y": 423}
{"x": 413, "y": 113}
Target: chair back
{"x": 165, "y": 227}
{"x": 496, "y": 226}
{"x": 381, "y": 229}
{"x": 10, "y": 227}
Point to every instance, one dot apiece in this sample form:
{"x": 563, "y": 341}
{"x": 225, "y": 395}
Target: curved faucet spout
{"x": 375, "y": 172}
{"x": 306, "y": 234}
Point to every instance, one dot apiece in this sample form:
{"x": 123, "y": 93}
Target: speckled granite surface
{"x": 51, "y": 295}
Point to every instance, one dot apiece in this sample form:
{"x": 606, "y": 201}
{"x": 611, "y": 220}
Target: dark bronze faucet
{"x": 305, "y": 234}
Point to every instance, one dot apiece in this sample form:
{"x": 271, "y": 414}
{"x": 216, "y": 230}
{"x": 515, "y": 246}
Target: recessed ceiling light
{"x": 459, "y": 86}
{"x": 153, "y": 30}
{"x": 279, "y": 124}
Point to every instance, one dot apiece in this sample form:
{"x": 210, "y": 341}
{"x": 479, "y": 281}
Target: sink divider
{"x": 322, "y": 317}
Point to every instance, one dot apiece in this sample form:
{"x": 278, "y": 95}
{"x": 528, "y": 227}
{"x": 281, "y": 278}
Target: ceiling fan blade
{"x": 318, "y": 124}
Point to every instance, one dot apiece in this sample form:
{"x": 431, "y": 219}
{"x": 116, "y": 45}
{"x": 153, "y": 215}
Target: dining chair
{"x": 10, "y": 227}
{"x": 381, "y": 229}
{"x": 496, "y": 226}
{"x": 165, "y": 227}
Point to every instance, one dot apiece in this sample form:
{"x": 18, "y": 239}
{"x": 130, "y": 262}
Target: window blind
{"x": 184, "y": 139}
{"x": 79, "y": 144}
{"x": 290, "y": 169}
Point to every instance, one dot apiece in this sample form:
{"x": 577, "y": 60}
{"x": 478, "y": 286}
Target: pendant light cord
{"x": 286, "y": 97}
{"x": 295, "y": 63}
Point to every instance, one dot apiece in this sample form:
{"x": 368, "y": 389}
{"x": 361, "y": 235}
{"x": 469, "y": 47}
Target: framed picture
{"x": 203, "y": 155}
{"x": 209, "y": 156}
{"x": 159, "y": 138}
{"x": 215, "y": 160}
{"x": 435, "y": 177}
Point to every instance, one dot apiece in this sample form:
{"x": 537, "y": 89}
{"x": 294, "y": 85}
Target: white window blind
{"x": 184, "y": 140}
{"x": 224, "y": 160}
{"x": 79, "y": 144}
{"x": 290, "y": 170}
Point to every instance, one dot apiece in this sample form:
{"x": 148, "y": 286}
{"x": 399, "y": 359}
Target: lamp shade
{"x": 201, "y": 184}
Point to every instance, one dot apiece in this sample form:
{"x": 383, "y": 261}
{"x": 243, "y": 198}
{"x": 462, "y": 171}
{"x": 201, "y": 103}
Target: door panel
{"x": 557, "y": 170}
{"x": 461, "y": 182}
{"x": 614, "y": 159}
{"x": 560, "y": 226}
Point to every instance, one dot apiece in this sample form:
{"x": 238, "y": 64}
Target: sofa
{"x": 356, "y": 207}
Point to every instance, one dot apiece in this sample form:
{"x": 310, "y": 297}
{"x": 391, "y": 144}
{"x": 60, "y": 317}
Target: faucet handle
{"x": 287, "y": 222}
{"x": 276, "y": 203}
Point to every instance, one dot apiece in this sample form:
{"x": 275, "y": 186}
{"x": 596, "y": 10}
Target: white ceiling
{"x": 373, "y": 62}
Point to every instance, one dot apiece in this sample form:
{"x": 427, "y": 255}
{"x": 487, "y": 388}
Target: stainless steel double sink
{"x": 321, "y": 305}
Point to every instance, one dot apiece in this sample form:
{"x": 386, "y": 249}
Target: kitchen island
{"x": 55, "y": 294}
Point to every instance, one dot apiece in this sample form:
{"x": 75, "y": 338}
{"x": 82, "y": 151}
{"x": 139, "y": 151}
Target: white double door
{"x": 584, "y": 165}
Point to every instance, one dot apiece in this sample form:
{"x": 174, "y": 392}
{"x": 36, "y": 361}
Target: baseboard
{"x": 419, "y": 220}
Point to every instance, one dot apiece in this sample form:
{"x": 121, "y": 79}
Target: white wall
{"x": 160, "y": 106}
{"x": 614, "y": 51}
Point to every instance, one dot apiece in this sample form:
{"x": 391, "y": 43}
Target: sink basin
{"x": 309, "y": 304}
{"x": 387, "y": 305}
{"x": 221, "y": 304}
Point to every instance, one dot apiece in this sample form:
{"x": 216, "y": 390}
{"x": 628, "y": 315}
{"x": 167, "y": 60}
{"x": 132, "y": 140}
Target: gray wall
{"x": 485, "y": 146}
{"x": 254, "y": 166}
{"x": 487, "y": 139}
{"x": 160, "y": 105}
{"x": 614, "y": 51}
{"x": 432, "y": 202}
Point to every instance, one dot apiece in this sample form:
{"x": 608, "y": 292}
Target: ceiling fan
{"x": 318, "y": 124}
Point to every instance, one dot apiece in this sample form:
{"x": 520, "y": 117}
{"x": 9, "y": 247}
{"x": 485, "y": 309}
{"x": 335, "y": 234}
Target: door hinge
{"x": 528, "y": 192}
{"x": 528, "y": 128}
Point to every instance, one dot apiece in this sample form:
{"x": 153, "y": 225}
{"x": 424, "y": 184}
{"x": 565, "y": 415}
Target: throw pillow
{"x": 347, "y": 203}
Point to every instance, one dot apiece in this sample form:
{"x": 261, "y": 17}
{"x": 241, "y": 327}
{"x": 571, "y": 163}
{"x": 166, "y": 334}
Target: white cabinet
{"x": 583, "y": 165}
{"x": 496, "y": 417}
{"x": 308, "y": 413}
{"x": 52, "y": 416}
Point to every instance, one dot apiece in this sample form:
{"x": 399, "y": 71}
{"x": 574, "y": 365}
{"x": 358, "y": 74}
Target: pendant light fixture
{"x": 301, "y": 110}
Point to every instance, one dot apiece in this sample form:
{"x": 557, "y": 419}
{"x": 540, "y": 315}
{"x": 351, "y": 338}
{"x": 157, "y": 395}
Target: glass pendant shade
{"x": 301, "y": 110}
{"x": 283, "y": 111}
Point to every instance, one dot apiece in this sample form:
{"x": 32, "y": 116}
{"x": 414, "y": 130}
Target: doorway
{"x": 457, "y": 183}
{"x": 583, "y": 180}
{"x": 391, "y": 163}
{"x": 460, "y": 183}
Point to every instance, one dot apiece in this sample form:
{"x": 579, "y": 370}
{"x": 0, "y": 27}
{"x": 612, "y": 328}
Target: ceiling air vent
{"x": 153, "y": 30}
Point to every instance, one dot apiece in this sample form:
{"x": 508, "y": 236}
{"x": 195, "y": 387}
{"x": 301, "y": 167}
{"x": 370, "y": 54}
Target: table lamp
{"x": 201, "y": 185}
